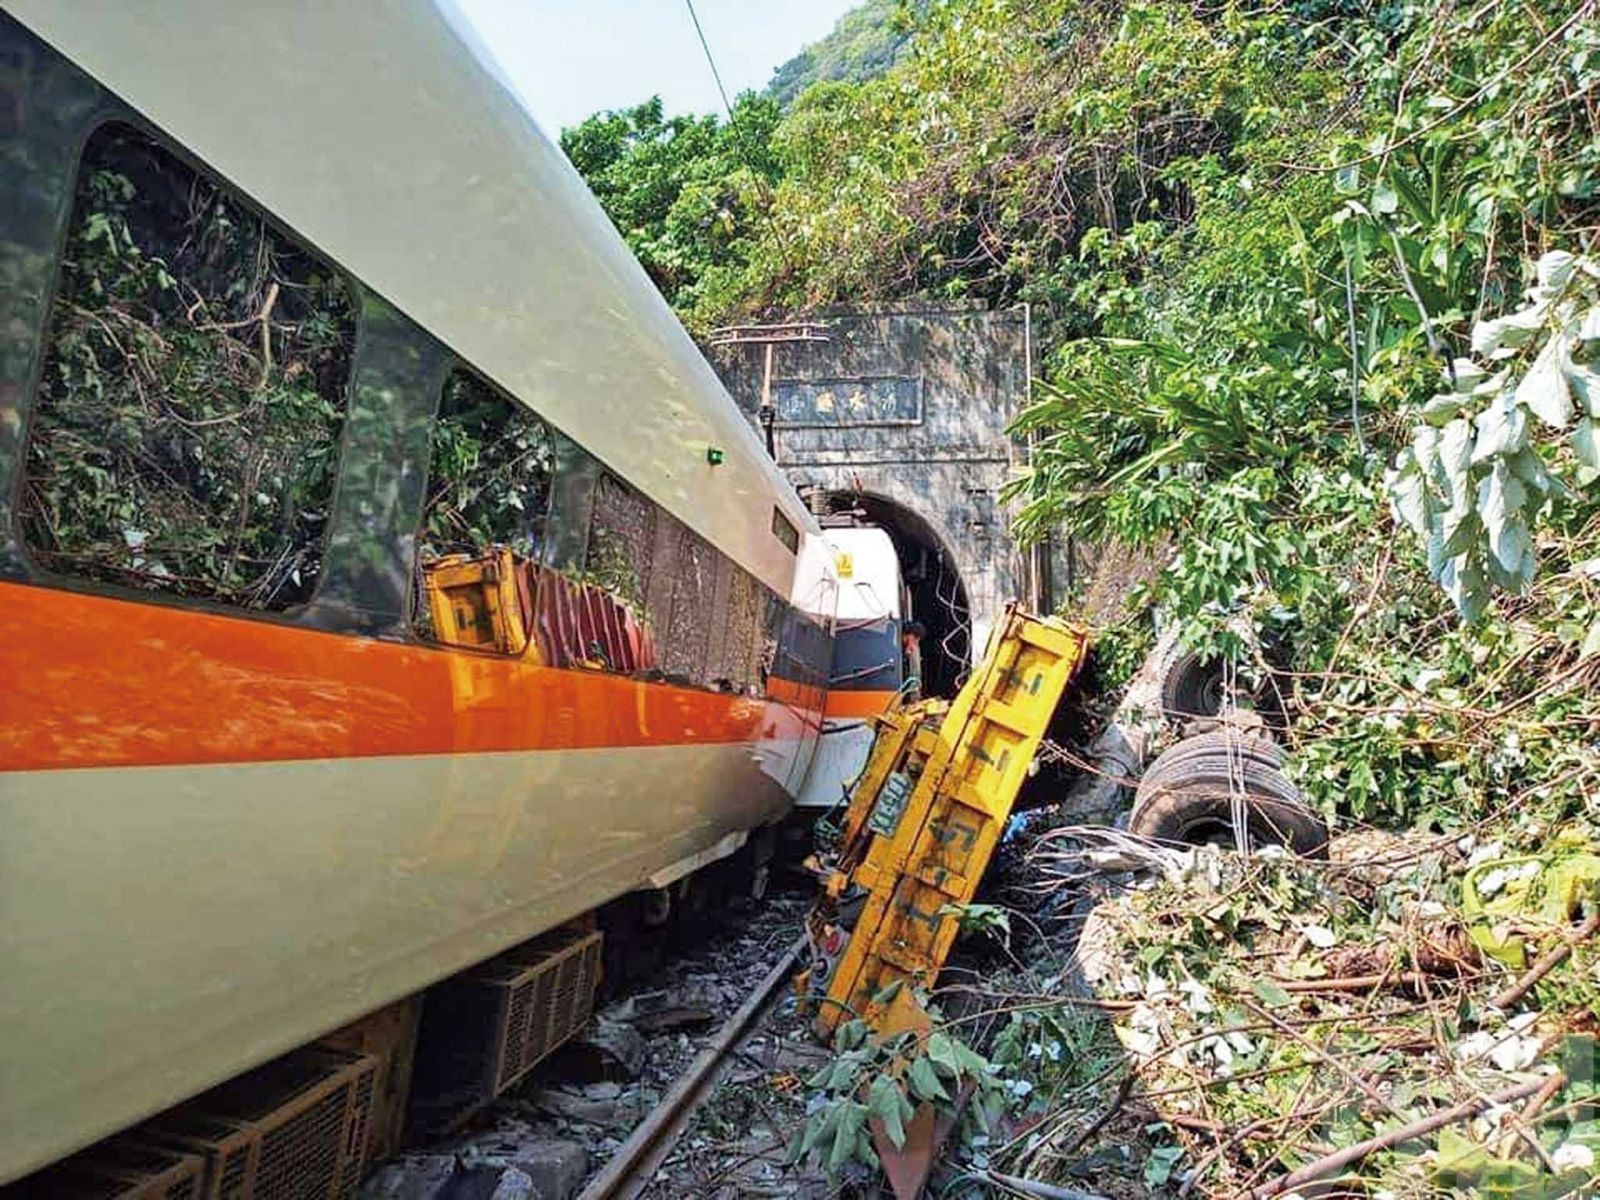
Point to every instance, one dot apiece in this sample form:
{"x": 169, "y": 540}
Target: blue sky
{"x": 570, "y": 58}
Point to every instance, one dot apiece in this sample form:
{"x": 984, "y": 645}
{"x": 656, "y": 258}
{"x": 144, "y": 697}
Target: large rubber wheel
{"x": 1195, "y": 687}
{"x": 1186, "y": 796}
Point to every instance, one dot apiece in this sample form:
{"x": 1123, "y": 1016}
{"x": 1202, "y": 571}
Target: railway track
{"x": 635, "y": 1163}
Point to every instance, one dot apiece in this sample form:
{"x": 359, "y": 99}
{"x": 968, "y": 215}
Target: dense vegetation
{"x": 1257, "y": 243}
{"x": 1315, "y": 286}
{"x": 189, "y": 416}
{"x": 688, "y": 193}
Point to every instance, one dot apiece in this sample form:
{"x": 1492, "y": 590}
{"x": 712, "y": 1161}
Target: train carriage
{"x": 384, "y": 576}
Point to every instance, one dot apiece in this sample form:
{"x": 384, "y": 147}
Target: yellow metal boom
{"x": 923, "y": 820}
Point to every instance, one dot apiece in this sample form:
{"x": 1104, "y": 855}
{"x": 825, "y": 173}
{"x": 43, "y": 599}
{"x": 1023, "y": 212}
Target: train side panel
{"x": 255, "y": 860}
{"x": 223, "y": 832}
{"x": 167, "y": 927}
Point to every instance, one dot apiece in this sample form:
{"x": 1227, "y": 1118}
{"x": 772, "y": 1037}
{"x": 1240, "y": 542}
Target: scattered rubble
{"x": 547, "y": 1138}
{"x": 1126, "y": 1018}
{"x": 1398, "y": 1015}
{"x": 609, "y": 1049}
{"x": 1247, "y": 1025}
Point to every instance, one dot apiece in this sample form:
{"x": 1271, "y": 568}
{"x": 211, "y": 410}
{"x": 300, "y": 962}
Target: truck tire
{"x": 1194, "y": 687}
{"x": 1186, "y": 796}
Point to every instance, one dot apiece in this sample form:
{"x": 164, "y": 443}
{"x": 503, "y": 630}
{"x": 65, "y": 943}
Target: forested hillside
{"x": 863, "y": 44}
{"x": 1317, "y": 288}
{"x": 1257, "y": 245}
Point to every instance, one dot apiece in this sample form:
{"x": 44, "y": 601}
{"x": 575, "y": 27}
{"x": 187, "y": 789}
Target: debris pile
{"x": 548, "y": 1138}
{"x": 1384, "y": 1015}
{"x": 1152, "y": 1020}
{"x": 1289, "y": 1020}
{"x": 1213, "y": 1015}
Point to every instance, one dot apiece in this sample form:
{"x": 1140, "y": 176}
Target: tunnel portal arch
{"x": 937, "y": 592}
{"x": 904, "y": 411}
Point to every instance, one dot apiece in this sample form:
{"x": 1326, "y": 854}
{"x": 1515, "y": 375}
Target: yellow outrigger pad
{"x": 923, "y": 820}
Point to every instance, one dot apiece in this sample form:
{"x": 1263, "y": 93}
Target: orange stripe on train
{"x": 91, "y": 681}
{"x": 864, "y": 703}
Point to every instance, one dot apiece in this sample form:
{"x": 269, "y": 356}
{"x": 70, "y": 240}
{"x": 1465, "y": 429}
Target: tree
{"x": 685, "y": 191}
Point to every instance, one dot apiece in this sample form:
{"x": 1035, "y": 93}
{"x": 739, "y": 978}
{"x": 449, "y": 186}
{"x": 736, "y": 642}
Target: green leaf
{"x": 972, "y": 1063}
{"x": 1159, "y": 1166}
{"x": 1457, "y": 529}
{"x": 1384, "y": 199}
{"x": 852, "y": 1117}
{"x": 1467, "y": 374}
{"x": 1591, "y": 642}
{"x": 1555, "y": 268}
{"x": 1455, "y": 459}
{"x": 1410, "y": 498}
{"x": 841, "y": 1075}
{"x": 942, "y": 1053}
{"x": 1505, "y": 335}
{"x": 1586, "y": 444}
{"x": 818, "y": 1128}
{"x": 1529, "y": 468}
{"x": 1543, "y": 390}
{"x": 1442, "y": 408}
{"x": 888, "y": 1103}
{"x": 1502, "y": 429}
{"x": 925, "y": 1083}
{"x": 844, "y": 1144}
{"x": 865, "y": 1153}
{"x": 1584, "y": 381}
{"x": 1271, "y": 993}
{"x": 1501, "y": 497}
{"x": 1425, "y": 447}
{"x": 1463, "y": 581}
{"x": 850, "y": 1035}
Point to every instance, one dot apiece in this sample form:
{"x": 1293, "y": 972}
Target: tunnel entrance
{"x": 938, "y": 597}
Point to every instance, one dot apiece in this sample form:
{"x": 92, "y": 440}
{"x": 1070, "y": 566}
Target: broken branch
{"x": 1547, "y": 962}
{"x": 1045, "y": 1191}
{"x": 1340, "y": 1159}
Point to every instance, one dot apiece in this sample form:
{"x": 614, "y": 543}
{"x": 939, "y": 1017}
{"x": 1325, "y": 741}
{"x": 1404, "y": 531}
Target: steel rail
{"x": 636, "y": 1161}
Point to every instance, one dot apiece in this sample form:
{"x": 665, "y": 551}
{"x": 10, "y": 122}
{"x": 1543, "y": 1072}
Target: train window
{"x": 720, "y": 668}
{"x": 771, "y": 664}
{"x": 698, "y": 615}
{"x": 687, "y": 631}
{"x": 367, "y": 581}
{"x": 783, "y": 529}
{"x": 484, "y": 520}
{"x": 490, "y": 472}
{"x": 742, "y": 651}
{"x": 622, "y": 535}
{"x": 185, "y": 433}
{"x": 571, "y": 507}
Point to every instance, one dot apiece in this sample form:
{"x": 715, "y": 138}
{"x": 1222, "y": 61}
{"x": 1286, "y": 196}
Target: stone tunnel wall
{"x": 908, "y": 405}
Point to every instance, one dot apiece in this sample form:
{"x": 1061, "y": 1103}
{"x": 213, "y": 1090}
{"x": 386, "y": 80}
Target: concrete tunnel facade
{"x": 901, "y": 414}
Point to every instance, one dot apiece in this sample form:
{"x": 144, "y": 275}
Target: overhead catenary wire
{"x": 710, "y": 59}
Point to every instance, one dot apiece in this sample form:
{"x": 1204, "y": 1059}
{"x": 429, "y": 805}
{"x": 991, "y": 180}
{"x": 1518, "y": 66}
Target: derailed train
{"x": 385, "y": 579}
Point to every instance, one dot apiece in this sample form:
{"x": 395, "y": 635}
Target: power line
{"x": 704, "y": 45}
